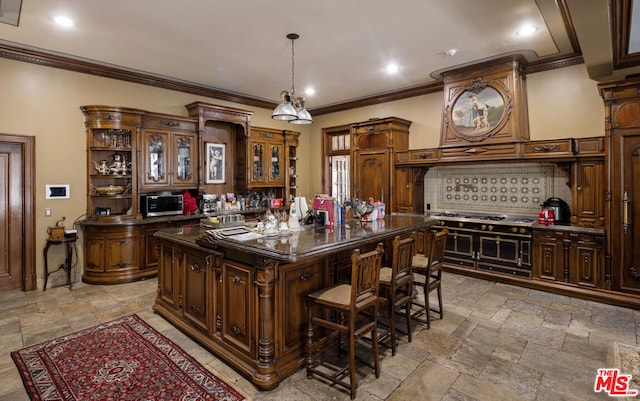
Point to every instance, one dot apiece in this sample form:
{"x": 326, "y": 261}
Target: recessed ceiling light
{"x": 63, "y": 21}
{"x": 309, "y": 91}
{"x": 527, "y": 30}
{"x": 451, "y": 52}
{"x": 392, "y": 68}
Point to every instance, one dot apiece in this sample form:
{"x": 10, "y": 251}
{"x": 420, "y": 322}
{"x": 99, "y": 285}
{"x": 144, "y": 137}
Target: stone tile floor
{"x": 496, "y": 342}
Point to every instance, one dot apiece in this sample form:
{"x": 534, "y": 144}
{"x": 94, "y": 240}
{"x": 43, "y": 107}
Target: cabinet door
{"x": 588, "y": 194}
{"x": 168, "y": 275}
{"x": 298, "y": 282}
{"x": 94, "y": 254}
{"x": 276, "y": 164}
{"x": 586, "y": 259}
{"x": 404, "y": 190}
{"x": 258, "y": 150}
{"x": 155, "y": 156}
{"x": 123, "y": 253}
{"x": 237, "y": 309}
{"x": 184, "y": 160}
{"x": 372, "y": 175}
{"x": 196, "y": 289}
{"x": 548, "y": 255}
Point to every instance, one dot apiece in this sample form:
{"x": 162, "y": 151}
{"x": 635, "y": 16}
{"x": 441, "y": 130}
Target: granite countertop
{"x": 569, "y": 228}
{"x": 307, "y": 242}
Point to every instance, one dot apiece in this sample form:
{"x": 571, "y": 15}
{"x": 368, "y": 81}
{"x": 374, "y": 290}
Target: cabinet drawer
{"x": 417, "y": 156}
{"x": 169, "y": 123}
{"x": 590, "y": 146}
{"x": 544, "y": 149}
{"x": 108, "y": 117}
{"x": 479, "y": 152}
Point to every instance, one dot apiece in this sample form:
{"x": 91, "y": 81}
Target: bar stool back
{"x": 396, "y": 284}
{"x": 427, "y": 271}
{"x": 355, "y": 307}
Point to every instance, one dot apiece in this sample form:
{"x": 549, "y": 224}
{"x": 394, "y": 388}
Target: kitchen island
{"x": 242, "y": 297}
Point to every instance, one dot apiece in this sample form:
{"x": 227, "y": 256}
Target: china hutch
{"x": 271, "y": 158}
{"x": 133, "y": 153}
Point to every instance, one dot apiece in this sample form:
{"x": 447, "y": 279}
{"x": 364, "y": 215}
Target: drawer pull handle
{"x": 304, "y": 277}
{"x": 195, "y": 310}
{"x": 171, "y": 123}
{"x": 123, "y": 242}
{"x": 235, "y": 280}
{"x": 545, "y": 148}
{"x": 195, "y": 268}
{"x": 425, "y": 155}
{"x": 236, "y": 330}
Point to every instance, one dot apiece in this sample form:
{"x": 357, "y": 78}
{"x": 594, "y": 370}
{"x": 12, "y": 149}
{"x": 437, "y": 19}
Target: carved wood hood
{"x": 485, "y": 103}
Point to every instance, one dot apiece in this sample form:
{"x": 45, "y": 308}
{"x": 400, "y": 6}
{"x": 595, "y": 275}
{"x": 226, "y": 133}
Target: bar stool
{"x": 396, "y": 284}
{"x": 428, "y": 267}
{"x": 356, "y": 307}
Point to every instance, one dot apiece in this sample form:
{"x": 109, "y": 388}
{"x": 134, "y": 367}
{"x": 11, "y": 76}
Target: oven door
{"x": 460, "y": 249}
{"x": 504, "y": 254}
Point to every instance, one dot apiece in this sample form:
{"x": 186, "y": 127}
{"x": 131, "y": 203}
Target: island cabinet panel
{"x": 168, "y": 276}
{"x": 298, "y": 281}
{"x": 238, "y": 306}
{"x": 198, "y": 283}
{"x": 245, "y": 300}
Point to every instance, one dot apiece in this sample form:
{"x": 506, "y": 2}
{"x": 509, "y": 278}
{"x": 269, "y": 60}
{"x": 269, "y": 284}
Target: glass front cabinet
{"x": 169, "y": 153}
{"x": 266, "y": 148}
{"x": 111, "y": 164}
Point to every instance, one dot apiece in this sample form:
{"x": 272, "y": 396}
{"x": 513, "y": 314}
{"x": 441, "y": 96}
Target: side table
{"x": 67, "y": 265}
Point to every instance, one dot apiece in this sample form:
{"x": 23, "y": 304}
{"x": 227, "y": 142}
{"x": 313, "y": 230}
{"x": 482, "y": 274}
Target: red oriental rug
{"x": 124, "y": 359}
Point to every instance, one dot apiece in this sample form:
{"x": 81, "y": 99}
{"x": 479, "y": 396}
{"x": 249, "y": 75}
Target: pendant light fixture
{"x": 291, "y": 108}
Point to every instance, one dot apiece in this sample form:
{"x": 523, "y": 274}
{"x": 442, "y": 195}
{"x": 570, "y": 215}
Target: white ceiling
{"x": 240, "y": 46}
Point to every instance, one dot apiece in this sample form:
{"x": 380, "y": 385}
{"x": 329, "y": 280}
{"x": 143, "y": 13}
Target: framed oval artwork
{"x": 476, "y": 114}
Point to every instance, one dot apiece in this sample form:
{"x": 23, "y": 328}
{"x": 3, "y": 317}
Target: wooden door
{"x": 11, "y": 215}
{"x": 17, "y": 212}
{"x": 373, "y": 175}
{"x": 625, "y": 214}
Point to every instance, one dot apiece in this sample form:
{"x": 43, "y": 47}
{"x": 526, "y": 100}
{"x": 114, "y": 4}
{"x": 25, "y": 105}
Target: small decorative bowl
{"x": 109, "y": 190}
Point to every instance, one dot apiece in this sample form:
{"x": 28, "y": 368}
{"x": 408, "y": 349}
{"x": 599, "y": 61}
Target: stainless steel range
{"x": 497, "y": 243}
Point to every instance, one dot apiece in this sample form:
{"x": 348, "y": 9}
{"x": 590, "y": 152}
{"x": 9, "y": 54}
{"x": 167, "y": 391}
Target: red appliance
{"x": 547, "y": 217}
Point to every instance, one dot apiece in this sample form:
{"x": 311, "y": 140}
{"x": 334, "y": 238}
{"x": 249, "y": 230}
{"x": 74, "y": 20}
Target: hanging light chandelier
{"x": 291, "y": 108}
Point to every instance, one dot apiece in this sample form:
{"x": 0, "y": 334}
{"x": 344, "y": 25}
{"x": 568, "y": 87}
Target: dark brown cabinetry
{"x": 588, "y": 193}
{"x": 373, "y": 152}
{"x": 198, "y": 283}
{"x": 269, "y": 157}
{"x": 569, "y": 256}
{"x": 238, "y": 306}
{"x": 622, "y": 158}
{"x": 112, "y": 254}
{"x": 169, "y": 152}
{"x": 111, "y": 162}
{"x": 116, "y": 253}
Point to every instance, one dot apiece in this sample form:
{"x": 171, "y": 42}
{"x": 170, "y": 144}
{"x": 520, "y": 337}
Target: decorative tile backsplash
{"x": 501, "y": 188}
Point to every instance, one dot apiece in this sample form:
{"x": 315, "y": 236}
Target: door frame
{"x": 28, "y": 144}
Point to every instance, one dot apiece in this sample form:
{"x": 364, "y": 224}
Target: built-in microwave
{"x": 161, "y": 205}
